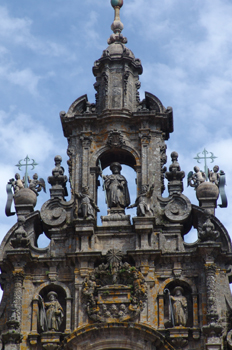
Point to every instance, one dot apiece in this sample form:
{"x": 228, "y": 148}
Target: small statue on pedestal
{"x": 116, "y": 188}
{"x": 86, "y": 206}
{"x": 179, "y": 306}
{"x": 51, "y": 313}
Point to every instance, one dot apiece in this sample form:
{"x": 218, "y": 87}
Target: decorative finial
{"x": 117, "y": 25}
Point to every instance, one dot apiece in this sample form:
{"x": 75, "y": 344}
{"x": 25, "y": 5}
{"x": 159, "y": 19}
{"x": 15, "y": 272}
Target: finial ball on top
{"x": 116, "y": 3}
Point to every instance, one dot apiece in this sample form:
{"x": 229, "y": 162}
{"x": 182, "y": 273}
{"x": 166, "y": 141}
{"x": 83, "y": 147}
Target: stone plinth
{"x": 143, "y": 228}
{"x": 114, "y": 294}
{"x": 116, "y": 217}
{"x": 85, "y": 231}
{"x": 50, "y": 340}
{"x": 207, "y": 194}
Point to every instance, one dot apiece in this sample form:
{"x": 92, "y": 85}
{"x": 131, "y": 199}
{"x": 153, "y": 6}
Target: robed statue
{"x": 86, "y": 208}
{"x": 117, "y": 193}
{"x": 51, "y": 313}
{"x": 179, "y": 306}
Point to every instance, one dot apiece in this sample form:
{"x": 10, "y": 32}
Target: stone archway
{"x": 125, "y": 336}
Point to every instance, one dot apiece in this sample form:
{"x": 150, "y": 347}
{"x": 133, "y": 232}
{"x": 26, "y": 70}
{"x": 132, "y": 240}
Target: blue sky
{"x": 47, "y": 50}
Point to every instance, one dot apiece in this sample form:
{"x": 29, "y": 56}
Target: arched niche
{"x": 64, "y": 298}
{"x": 189, "y": 292}
{"x": 106, "y": 155}
{"x": 113, "y": 336}
{"x": 117, "y": 155}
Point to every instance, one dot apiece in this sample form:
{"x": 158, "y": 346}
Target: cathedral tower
{"x": 127, "y": 284}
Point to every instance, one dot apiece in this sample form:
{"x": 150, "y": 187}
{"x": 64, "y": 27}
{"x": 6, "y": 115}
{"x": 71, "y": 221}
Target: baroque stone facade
{"x": 123, "y": 284}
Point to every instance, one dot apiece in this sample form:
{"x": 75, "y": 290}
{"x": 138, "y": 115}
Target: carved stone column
{"x": 18, "y": 277}
{"x": 161, "y": 311}
{"x": 93, "y": 183}
{"x": 195, "y": 310}
{"x": 71, "y": 163}
{"x": 12, "y": 338}
{"x": 34, "y": 335}
{"x": 212, "y": 315}
{"x": 145, "y": 140}
{"x": 68, "y": 315}
{"x": 86, "y": 141}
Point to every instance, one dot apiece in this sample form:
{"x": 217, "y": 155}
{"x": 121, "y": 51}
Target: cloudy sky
{"x": 47, "y": 50}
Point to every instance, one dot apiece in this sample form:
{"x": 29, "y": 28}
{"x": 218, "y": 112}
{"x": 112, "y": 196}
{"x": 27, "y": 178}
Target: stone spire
{"x": 117, "y": 72}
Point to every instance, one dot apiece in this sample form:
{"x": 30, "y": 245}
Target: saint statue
{"x": 117, "y": 193}
{"x": 179, "y": 306}
{"x": 51, "y": 313}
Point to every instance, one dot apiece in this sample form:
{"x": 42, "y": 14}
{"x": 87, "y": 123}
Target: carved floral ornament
{"x": 114, "y": 291}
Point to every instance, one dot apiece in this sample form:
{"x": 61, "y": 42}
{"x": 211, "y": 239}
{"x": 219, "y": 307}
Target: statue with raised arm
{"x": 18, "y": 184}
{"x": 116, "y": 188}
{"x": 195, "y": 179}
{"x": 143, "y": 202}
{"x": 86, "y": 206}
{"x": 51, "y": 313}
{"x": 179, "y": 306}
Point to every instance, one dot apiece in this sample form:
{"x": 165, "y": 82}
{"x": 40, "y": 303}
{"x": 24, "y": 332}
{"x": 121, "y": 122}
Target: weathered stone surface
{"x": 116, "y": 285}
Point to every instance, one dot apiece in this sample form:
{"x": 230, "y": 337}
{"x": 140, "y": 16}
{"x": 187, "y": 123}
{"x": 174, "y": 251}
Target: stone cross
{"x": 205, "y": 157}
{"x": 27, "y": 164}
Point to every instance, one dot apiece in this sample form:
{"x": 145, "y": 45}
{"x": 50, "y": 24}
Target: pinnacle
{"x": 117, "y": 25}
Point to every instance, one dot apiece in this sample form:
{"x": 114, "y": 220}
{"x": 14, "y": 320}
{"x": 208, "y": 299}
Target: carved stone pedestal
{"x": 207, "y": 194}
{"x": 116, "y": 217}
{"x": 179, "y": 337}
{"x": 213, "y": 343}
{"x": 85, "y": 230}
{"x": 143, "y": 228}
{"x": 33, "y": 340}
{"x": 50, "y": 340}
{"x": 24, "y": 209}
{"x": 12, "y": 338}
{"x": 213, "y": 337}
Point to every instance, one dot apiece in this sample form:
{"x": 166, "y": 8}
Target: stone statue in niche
{"x": 179, "y": 307}
{"x": 195, "y": 179}
{"x": 117, "y": 193}
{"x": 143, "y": 202}
{"x": 51, "y": 313}
{"x": 86, "y": 206}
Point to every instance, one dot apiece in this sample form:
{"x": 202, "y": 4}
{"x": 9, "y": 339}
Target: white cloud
{"x": 24, "y": 135}
{"x": 25, "y": 79}
{"x": 18, "y": 31}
